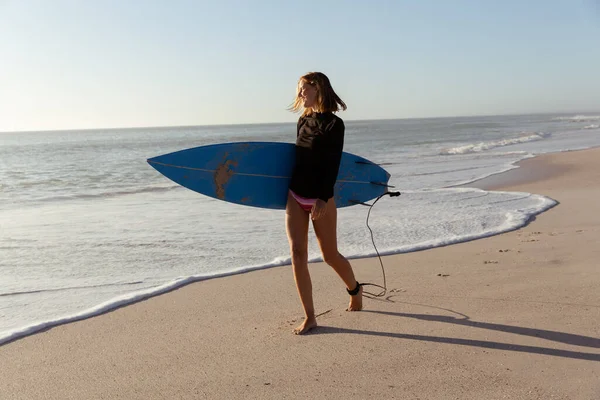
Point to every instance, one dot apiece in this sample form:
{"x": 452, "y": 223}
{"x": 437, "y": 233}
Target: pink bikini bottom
{"x": 306, "y": 204}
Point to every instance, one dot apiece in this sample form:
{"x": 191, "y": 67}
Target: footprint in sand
{"x": 490, "y": 262}
{"x": 504, "y": 251}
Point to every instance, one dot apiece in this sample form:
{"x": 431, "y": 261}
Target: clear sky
{"x": 130, "y": 63}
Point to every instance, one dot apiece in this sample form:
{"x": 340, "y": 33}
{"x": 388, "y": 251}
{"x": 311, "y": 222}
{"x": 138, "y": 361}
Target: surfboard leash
{"x": 384, "y": 287}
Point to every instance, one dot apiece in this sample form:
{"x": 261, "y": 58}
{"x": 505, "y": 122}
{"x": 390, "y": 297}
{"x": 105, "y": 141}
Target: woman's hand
{"x": 318, "y": 209}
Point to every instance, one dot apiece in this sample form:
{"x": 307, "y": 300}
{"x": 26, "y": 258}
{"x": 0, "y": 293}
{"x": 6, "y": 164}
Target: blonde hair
{"x": 327, "y": 99}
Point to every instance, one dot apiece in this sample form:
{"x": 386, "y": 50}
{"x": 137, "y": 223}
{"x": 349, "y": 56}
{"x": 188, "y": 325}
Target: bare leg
{"x": 326, "y": 231}
{"x": 296, "y": 222}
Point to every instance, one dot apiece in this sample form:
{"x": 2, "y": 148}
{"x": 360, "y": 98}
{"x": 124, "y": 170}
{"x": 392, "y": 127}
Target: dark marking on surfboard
{"x": 222, "y": 175}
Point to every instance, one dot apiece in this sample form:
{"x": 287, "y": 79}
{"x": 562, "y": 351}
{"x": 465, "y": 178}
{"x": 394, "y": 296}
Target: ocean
{"x": 87, "y": 225}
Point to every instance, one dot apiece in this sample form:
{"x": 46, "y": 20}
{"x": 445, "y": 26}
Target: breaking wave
{"x": 482, "y": 146}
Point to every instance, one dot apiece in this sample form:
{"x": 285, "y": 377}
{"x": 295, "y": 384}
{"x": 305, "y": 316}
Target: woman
{"x": 319, "y": 144}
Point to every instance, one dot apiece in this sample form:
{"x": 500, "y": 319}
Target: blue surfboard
{"x": 258, "y": 174}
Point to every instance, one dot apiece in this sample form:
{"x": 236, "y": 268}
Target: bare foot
{"x": 306, "y": 326}
{"x": 356, "y": 301}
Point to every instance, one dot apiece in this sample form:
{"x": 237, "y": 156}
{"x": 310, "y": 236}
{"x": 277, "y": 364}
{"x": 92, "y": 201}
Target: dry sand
{"x": 514, "y": 316}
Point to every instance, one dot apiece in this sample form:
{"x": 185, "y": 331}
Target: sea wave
{"x": 482, "y": 146}
{"x": 591, "y": 126}
{"x": 578, "y": 118}
{"x": 108, "y": 194}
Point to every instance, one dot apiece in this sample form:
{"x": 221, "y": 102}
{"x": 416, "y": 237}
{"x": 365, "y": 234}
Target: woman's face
{"x": 308, "y": 93}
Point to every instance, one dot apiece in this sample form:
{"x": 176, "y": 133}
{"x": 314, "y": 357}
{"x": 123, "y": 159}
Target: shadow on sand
{"x": 464, "y": 320}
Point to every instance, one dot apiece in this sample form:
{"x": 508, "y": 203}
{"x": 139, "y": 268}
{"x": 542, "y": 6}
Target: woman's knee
{"x": 299, "y": 253}
{"x": 331, "y": 257}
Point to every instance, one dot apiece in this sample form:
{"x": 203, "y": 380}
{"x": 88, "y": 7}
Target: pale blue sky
{"x": 115, "y": 63}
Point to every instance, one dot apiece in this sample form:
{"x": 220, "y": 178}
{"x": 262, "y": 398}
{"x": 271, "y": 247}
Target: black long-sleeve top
{"x": 319, "y": 145}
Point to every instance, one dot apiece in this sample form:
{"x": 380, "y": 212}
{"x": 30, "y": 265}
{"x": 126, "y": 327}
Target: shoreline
{"x": 528, "y": 170}
{"x": 471, "y": 320}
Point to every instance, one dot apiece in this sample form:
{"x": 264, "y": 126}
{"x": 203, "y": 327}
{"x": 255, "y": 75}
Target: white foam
{"x": 591, "y": 126}
{"x": 513, "y": 219}
{"x": 482, "y": 146}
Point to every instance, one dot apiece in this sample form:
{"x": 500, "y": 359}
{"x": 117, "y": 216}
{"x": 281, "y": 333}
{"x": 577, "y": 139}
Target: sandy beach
{"x": 514, "y": 316}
